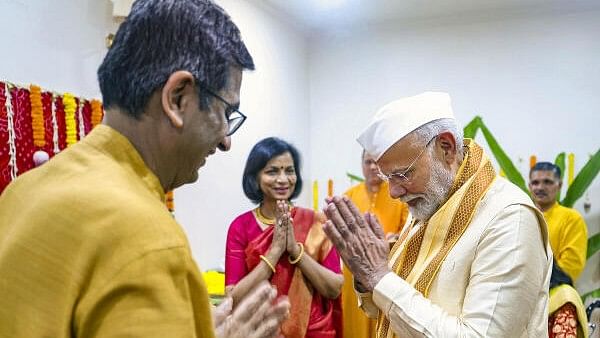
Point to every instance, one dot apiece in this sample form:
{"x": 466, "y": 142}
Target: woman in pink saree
{"x": 284, "y": 244}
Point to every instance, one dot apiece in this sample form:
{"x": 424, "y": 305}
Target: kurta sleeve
{"x": 235, "y": 253}
{"x": 157, "y": 295}
{"x": 365, "y": 303}
{"x": 572, "y": 252}
{"x": 506, "y": 280}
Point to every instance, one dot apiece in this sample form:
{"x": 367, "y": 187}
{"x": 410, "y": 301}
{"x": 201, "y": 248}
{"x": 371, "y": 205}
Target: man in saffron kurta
{"x": 372, "y": 195}
{"x": 475, "y": 263}
{"x": 566, "y": 228}
{"x": 87, "y": 245}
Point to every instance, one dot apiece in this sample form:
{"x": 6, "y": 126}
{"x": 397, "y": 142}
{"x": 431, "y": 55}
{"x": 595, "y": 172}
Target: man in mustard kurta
{"x": 566, "y": 227}
{"x": 87, "y": 246}
{"x": 372, "y": 195}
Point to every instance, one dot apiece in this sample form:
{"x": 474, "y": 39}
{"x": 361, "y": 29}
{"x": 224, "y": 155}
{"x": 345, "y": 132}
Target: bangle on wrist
{"x": 266, "y": 260}
{"x": 299, "y": 255}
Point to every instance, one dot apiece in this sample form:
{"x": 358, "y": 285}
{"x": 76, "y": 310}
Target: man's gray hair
{"x": 431, "y": 129}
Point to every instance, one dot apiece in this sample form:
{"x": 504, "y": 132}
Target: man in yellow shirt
{"x": 87, "y": 246}
{"x": 566, "y": 228}
{"x": 372, "y": 195}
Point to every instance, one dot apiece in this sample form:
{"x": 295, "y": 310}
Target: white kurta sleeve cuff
{"x": 404, "y": 306}
{"x": 391, "y": 288}
{"x": 365, "y": 303}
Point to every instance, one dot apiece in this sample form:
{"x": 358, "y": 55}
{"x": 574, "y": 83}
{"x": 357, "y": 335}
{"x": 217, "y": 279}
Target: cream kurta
{"x": 493, "y": 283}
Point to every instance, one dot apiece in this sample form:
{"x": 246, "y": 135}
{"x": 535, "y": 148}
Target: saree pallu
{"x": 567, "y": 313}
{"x": 311, "y": 315}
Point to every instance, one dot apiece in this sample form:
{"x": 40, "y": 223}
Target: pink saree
{"x": 311, "y": 314}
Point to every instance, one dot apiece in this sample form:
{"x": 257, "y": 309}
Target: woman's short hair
{"x": 261, "y": 153}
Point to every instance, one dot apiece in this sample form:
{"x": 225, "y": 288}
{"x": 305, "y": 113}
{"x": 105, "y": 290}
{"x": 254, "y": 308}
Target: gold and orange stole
{"x": 417, "y": 257}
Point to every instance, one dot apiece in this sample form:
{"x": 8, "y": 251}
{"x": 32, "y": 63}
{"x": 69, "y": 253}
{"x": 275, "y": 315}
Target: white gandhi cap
{"x": 399, "y": 118}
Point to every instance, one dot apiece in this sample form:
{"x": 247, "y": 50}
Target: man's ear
{"x": 448, "y": 144}
{"x": 174, "y": 96}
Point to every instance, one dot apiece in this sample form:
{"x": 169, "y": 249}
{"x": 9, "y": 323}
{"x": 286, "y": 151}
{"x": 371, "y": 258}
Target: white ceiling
{"x": 323, "y": 15}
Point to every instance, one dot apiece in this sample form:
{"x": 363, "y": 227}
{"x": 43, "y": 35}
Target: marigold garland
{"x": 73, "y": 110}
{"x": 96, "y": 112}
{"x": 70, "y": 125}
{"x": 56, "y": 148}
{"x": 12, "y": 149}
{"x": 37, "y": 116}
{"x": 80, "y": 118}
{"x": 170, "y": 201}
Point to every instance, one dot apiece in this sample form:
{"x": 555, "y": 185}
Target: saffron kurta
{"x": 392, "y": 215}
{"x": 88, "y": 249}
{"x": 568, "y": 238}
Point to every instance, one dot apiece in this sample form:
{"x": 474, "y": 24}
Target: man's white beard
{"x": 436, "y": 192}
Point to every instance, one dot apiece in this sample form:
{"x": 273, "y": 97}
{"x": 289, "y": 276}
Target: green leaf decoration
{"x": 593, "y": 294}
{"x": 593, "y": 245}
{"x": 470, "y": 130}
{"x": 583, "y": 180}
{"x": 355, "y": 177}
{"x": 559, "y": 161}
{"x": 511, "y": 172}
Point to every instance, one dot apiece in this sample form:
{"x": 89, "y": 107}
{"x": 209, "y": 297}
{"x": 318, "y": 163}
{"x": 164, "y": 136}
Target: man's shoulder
{"x": 355, "y": 189}
{"x": 98, "y": 206}
{"x": 504, "y": 200}
{"x": 570, "y": 213}
{"x": 506, "y": 191}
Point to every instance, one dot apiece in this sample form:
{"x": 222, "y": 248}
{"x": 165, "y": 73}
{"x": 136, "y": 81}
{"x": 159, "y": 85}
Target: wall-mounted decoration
{"x": 35, "y": 125}
{"x": 121, "y": 8}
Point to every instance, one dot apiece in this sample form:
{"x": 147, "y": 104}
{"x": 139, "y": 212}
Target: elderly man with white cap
{"x": 475, "y": 262}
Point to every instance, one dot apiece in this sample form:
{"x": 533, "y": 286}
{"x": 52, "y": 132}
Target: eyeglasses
{"x": 404, "y": 176}
{"x": 234, "y": 117}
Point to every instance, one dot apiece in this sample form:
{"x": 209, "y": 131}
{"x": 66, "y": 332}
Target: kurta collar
{"x": 112, "y": 143}
{"x": 551, "y": 209}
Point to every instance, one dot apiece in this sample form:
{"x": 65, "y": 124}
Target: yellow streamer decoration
{"x": 315, "y": 196}
{"x": 571, "y": 169}
{"x": 71, "y": 126}
{"x": 170, "y": 201}
{"x": 96, "y": 112}
{"x": 37, "y": 116}
{"x": 532, "y": 161}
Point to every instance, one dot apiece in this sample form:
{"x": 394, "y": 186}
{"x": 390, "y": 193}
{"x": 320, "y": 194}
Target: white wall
{"x": 534, "y": 80}
{"x": 60, "y": 44}
{"x": 57, "y": 45}
{"x": 275, "y": 99}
